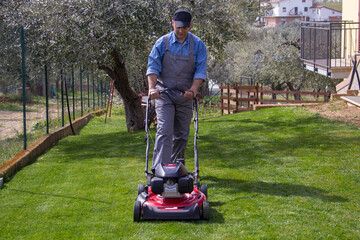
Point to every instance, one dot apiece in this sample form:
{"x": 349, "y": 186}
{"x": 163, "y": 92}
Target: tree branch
{"x": 108, "y": 70}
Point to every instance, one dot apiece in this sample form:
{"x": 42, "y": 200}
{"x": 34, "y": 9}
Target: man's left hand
{"x": 189, "y": 94}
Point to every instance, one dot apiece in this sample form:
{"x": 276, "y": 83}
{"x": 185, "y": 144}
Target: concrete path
{"x": 355, "y": 100}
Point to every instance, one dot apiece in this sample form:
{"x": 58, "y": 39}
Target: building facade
{"x": 320, "y": 13}
{"x": 285, "y": 11}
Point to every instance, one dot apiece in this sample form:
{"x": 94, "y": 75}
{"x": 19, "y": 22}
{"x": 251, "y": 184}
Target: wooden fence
{"x": 244, "y": 98}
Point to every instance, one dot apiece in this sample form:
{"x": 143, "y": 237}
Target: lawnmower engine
{"x": 172, "y": 180}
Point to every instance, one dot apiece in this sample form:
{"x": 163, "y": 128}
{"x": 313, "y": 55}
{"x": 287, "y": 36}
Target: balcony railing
{"x": 329, "y": 47}
{"x": 283, "y": 14}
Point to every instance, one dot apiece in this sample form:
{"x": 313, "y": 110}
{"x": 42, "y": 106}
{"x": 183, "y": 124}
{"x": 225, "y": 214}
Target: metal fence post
{"x": 221, "y": 98}
{"x": 236, "y": 97}
{"x": 23, "y": 81}
{"x": 105, "y": 92}
{"x": 97, "y": 90}
{"x": 81, "y": 95}
{"x": 228, "y": 98}
{"x": 101, "y": 92}
{"x": 93, "y": 89}
{"x": 46, "y": 99}
{"x": 73, "y": 90}
{"x": 62, "y": 98}
{"x": 88, "y": 89}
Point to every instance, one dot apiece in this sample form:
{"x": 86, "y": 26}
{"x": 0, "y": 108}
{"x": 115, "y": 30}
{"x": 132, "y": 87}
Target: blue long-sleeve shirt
{"x": 178, "y": 48}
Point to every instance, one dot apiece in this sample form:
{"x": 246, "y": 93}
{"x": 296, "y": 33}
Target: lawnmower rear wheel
{"x": 137, "y": 211}
{"x": 203, "y": 189}
{"x": 206, "y": 210}
{"x": 141, "y": 188}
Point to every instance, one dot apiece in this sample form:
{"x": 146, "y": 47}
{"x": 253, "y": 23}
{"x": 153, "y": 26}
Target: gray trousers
{"x": 174, "y": 113}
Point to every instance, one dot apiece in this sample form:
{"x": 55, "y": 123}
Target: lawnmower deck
{"x": 187, "y": 207}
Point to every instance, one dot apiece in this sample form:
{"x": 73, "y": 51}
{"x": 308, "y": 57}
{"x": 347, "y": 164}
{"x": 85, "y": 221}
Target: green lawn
{"x": 280, "y": 173}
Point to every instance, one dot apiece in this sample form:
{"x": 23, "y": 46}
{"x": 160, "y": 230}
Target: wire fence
{"x": 44, "y": 97}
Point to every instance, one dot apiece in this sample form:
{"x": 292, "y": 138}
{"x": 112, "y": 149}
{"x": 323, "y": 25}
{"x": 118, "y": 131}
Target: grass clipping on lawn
{"x": 280, "y": 173}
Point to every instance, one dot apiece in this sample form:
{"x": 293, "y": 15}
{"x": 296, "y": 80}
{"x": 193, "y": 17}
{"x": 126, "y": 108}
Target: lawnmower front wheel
{"x": 206, "y": 210}
{"x": 137, "y": 211}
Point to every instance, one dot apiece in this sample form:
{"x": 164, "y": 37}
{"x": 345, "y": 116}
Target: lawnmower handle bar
{"x": 169, "y": 89}
{"x": 196, "y": 125}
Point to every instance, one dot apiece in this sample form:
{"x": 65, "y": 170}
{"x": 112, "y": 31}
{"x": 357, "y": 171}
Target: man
{"x": 177, "y": 61}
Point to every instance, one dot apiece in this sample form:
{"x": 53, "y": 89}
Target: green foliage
{"x": 271, "y": 174}
{"x": 209, "y": 110}
{"x": 9, "y": 147}
{"x": 272, "y": 58}
{"x": 10, "y": 62}
{"x": 218, "y": 22}
{"x": 73, "y": 32}
{"x": 10, "y": 107}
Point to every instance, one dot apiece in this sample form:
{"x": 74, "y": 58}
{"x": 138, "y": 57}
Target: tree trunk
{"x": 204, "y": 89}
{"x": 277, "y": 87}
{"x": 4, "y": 90}
{"x": 291, "y": 88}
{"x": 135, "y": 115}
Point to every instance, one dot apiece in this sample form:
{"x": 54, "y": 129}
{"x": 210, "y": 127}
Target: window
{"x": 303, "y": 0}
{"x": 284, "y": 9}
{"x": 305, "y": 9}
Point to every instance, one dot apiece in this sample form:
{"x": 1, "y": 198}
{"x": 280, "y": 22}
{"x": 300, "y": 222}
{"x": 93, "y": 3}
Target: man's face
{"x": 181, "y": 32}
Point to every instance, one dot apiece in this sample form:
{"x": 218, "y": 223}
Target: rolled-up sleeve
{"x": 155, "y": 58}
{"x": 200, "y": 61}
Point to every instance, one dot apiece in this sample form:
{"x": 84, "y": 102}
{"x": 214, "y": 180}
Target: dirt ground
{"x": 11, "y": 122}
{"x": 338, "y": 110}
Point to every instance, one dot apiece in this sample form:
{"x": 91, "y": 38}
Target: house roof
{"x": 276, "y": 1}
{"x": 326, "y": 8}
{"x": 287, "y": 16}
{"x": 334, "y": 18}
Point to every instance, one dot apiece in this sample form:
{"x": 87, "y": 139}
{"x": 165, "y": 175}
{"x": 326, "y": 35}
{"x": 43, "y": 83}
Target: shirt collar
{"x": 174, "y": 39}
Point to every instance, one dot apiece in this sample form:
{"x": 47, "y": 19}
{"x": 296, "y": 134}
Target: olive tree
{"x": 115, "y": 36}
{"x": 271, "y": 56}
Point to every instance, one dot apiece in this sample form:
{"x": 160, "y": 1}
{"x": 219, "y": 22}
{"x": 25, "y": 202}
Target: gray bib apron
{"x": 174, "y": 112}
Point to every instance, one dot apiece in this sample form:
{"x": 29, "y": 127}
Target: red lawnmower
{"x": 171, "y": 191}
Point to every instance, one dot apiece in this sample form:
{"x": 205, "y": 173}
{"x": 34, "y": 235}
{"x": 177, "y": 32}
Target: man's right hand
{"x": 154, "y": 94}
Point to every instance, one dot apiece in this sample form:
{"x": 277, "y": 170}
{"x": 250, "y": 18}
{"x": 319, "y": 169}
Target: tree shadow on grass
{"x": 58, "y": 196}
{"x": 113, "y": 145}
{"x": 276, "y": 189}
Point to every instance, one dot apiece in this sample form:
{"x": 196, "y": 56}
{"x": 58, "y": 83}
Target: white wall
{"x": 323, "y": 14}
{"x": 315, "y": 14}
{"x": 351, "y": 10}
{"x": 290, "y": 7}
